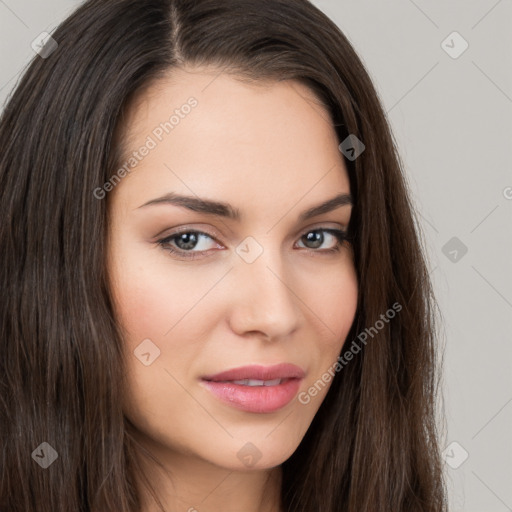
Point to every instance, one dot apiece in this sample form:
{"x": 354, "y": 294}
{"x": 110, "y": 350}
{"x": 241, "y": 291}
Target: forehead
{"x": 236, "y": 138}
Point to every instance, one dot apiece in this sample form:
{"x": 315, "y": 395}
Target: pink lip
{"x": 258, "y": 399}
{"x": 278, "y": 371}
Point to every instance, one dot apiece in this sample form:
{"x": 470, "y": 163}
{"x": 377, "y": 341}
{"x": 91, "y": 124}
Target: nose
{"x": 263, "y": 300}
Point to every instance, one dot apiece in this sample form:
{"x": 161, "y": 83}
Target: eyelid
{"x": 322, "y": 225}
{"x": 185, "y": 229}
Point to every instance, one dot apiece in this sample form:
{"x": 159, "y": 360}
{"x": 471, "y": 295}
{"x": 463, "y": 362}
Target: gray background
{"x": 451, "y": 119}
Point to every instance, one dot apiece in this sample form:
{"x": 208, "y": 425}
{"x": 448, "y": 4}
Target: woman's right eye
{"x": 183, "y": 242}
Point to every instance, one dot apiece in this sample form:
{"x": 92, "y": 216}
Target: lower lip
{"x": 258, "y": 399}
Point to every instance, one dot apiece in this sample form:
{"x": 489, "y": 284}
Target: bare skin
{"x": 270, "y": 151}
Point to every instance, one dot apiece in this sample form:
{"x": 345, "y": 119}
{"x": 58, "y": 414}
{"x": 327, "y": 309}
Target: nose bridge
{"x": 264, "y": 296}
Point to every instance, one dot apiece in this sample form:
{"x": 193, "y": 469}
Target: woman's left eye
{"x": 317, "y": 238}
{"x": 183, "y": 243}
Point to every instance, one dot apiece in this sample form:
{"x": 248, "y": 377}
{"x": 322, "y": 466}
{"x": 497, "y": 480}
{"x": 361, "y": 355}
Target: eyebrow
{"x": 220, "y": 209}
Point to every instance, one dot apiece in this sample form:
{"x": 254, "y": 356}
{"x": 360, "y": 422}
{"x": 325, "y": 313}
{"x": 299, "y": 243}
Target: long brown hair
{"x": 374, "y": 443}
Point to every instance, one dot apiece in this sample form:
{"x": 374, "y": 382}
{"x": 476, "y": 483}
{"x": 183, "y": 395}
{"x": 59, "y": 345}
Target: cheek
{"x": 152, "y": 297}
{"x": 335, "y": 309}
{"x": 143, "y": 305}
{"x": 164, "y": 310}
{"x": 160, "y": 312}
{"x": 335, "y": 298}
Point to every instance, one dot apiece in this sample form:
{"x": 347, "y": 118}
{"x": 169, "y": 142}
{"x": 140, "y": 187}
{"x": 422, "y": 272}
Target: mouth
{"x": 257, "y": 389}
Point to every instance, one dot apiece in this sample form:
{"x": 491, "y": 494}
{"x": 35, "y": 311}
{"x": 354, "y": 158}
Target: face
{"x": 259, "y": 280}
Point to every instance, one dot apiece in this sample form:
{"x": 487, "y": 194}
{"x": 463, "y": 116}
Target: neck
{"x": 187, "y": 483}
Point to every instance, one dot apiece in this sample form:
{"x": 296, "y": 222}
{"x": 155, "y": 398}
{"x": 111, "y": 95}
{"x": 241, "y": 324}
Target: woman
{"x": 215, "y": 296}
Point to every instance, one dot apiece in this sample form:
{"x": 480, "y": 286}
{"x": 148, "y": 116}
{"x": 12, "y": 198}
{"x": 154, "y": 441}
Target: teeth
{"x": 255, "y": 382}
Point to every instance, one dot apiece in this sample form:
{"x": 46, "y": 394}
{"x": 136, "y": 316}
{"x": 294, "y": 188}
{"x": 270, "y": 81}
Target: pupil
{"x": 189, "y": 239}
{"x": 316, "y": 238}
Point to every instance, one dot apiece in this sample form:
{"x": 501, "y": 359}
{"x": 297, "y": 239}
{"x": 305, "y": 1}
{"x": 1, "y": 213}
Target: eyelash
{"x": 190, "y": 255}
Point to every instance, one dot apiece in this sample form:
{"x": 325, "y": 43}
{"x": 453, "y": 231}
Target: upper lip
{"x": 259, "y": 372}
